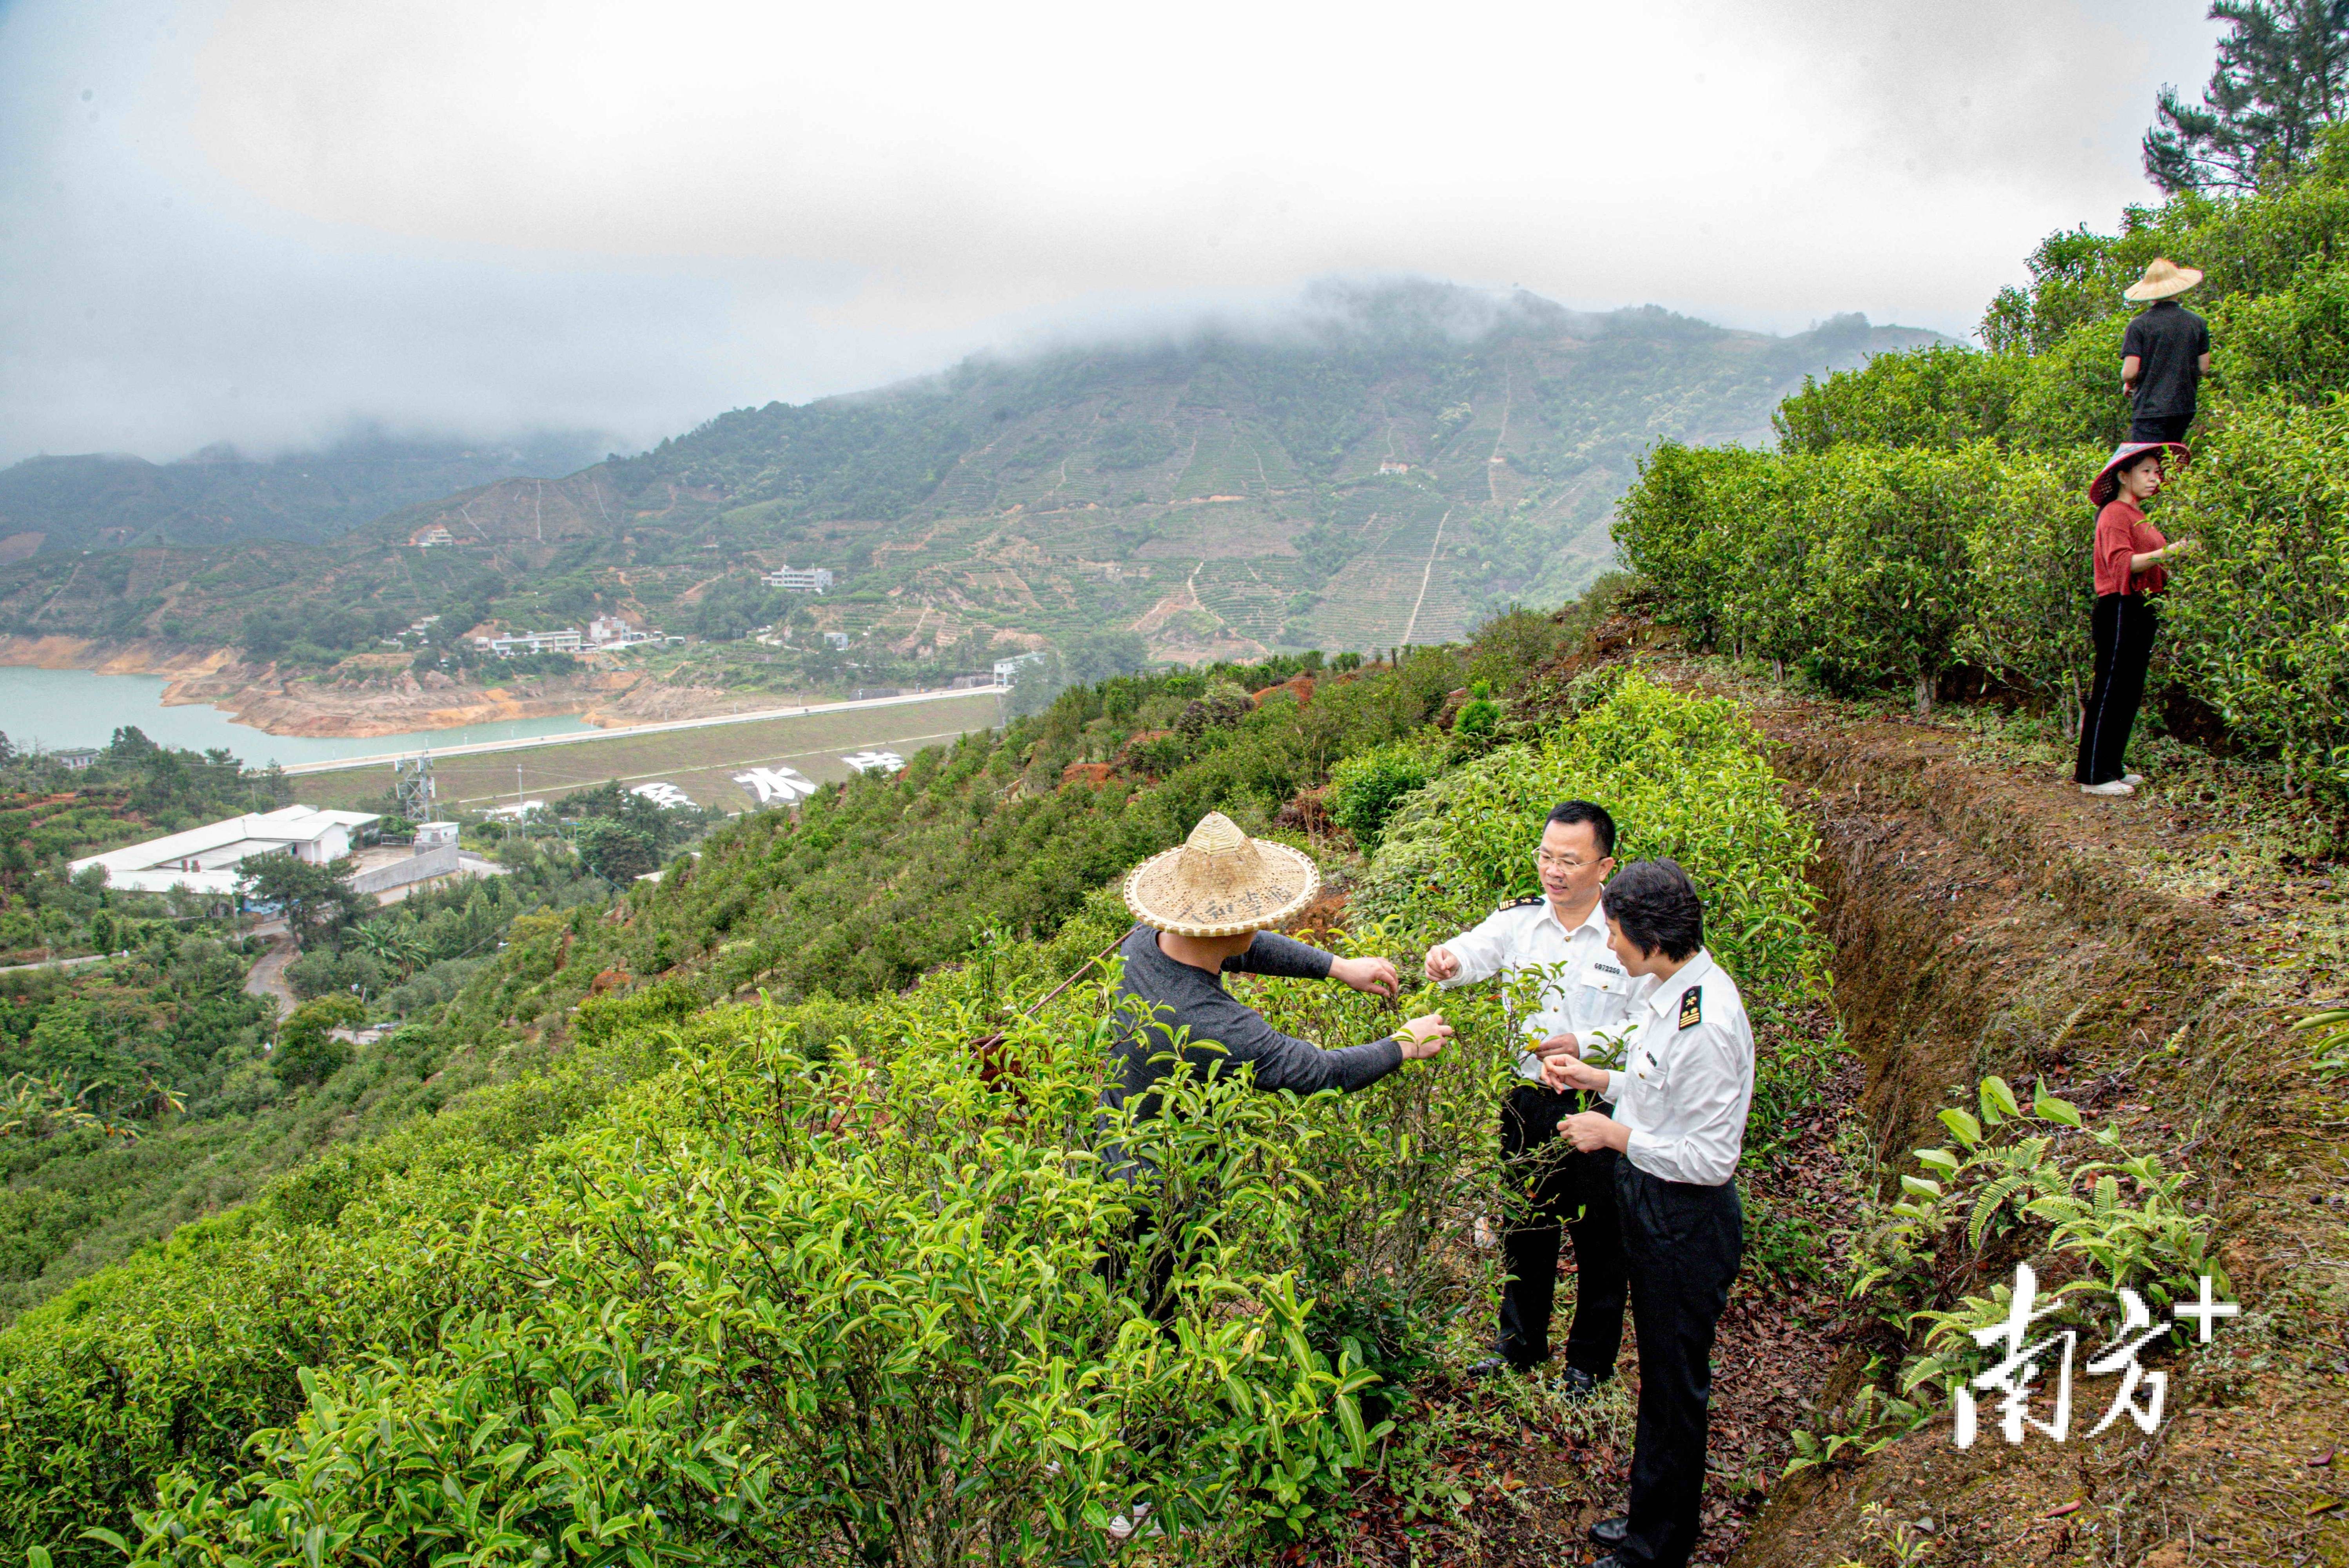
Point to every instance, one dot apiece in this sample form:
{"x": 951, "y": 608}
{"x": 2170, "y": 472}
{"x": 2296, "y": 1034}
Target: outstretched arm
{"x": 1283, "y": 956}
{"x": 1273, "y": 953}
{"x": 1283, "y": 1061}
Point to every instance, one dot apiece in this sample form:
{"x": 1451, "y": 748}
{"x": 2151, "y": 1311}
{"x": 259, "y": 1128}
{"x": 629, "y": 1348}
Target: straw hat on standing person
{"x": 2163, "y": 279}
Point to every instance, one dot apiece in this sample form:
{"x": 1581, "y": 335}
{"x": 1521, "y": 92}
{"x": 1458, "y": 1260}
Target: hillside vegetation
{"x": 1220, "y": 496}
{"x": 142, "y": 1084}
{"x": 1927, "y": 512}
{"x": 788, "y": 1281}
{"x": 63, "y": 505}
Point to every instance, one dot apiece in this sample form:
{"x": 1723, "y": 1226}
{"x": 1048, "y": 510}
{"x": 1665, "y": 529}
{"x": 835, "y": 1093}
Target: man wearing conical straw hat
{"x": 2164, "y": 354}
{"x": 1202, "y": 909}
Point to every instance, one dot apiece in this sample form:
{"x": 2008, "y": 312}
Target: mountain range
{"x": 1388, "y": 466}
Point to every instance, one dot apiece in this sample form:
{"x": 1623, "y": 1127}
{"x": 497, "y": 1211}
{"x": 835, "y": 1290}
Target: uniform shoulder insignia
{"x": 1692, "y": 1006}
{"x": 1522, "y": 903}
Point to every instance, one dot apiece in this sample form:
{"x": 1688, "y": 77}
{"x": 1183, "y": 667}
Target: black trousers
{"x": 1684, "y": 1243}
{"x": 2122, "y": 626}
{"x": 1566, "y": 1189}
{"x": 2159, "y": 428}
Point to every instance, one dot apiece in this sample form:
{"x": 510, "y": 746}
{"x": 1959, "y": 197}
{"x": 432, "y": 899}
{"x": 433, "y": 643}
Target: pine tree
{"x": 2283, "y": 73}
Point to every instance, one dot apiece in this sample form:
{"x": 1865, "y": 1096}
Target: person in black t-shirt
{"x": 2165, "y": 354}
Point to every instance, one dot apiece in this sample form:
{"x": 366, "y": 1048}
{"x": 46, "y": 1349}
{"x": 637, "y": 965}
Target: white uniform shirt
{"x": 1689, "y": 1077}
{"x": 1586, "y": 991}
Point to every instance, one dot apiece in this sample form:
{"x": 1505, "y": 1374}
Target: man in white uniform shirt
{"x": 1584, "y": 990}
{"x": 1681, "y": 1101}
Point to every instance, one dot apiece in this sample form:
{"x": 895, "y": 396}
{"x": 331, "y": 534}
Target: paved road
{"x": 267, "y": 976}
{"x": 58, "y": 962}
{"x": 623, "y": 731}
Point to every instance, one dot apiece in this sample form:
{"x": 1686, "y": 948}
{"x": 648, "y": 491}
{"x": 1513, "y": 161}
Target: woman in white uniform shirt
{"x": 1680, "y": 1126}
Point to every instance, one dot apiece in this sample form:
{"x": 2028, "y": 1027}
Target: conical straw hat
{"x": 2163, "y": 278}
{"x": 1220, "y": 883}
{"x": 2107, "y": 484}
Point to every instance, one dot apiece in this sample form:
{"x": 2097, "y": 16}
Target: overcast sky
{"x": 260, "y": 221}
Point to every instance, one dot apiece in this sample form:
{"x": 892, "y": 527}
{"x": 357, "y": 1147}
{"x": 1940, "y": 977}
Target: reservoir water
{"x": 53, "y": 710}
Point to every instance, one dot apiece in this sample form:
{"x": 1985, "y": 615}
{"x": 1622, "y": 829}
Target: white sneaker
{"x": 2116, "y": 787}
{"x": 2132, "y": 780}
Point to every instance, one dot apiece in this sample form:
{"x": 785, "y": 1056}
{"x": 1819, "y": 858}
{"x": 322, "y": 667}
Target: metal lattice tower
{"x": 412, "y": 786}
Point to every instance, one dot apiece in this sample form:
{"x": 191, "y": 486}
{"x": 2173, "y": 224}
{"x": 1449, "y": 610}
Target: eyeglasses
{"x": 1567, "y": 863}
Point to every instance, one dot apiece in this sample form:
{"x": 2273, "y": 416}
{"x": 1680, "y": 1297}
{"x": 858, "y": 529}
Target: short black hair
{"x": 1568, "y": 813}
{"x": 1656, "y": 904}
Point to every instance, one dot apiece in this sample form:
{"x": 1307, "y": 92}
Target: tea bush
{"x": 2022, "y": 1184}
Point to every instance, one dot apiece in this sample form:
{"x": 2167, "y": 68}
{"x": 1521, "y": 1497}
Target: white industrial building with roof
{"x": 211, "y": 858}
{"x": 206, "y": 858}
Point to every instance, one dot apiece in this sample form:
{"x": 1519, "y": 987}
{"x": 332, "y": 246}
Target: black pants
{"x": 1570, "y": 1188}
{"x": 2159, "y": 428}
{"x": 1684, "y": 1243}
{"x": 2123, "y": 627}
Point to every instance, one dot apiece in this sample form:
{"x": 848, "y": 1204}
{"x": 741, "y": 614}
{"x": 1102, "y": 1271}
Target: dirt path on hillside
{"x": 2131, "y": 956}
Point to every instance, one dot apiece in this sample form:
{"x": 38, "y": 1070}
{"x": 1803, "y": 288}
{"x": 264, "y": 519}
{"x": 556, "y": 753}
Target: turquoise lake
{"x": 52, "y": 709}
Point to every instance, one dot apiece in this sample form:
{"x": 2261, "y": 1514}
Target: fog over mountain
{"x": 1375, "y": 463}
{"x": 267, "y": 223}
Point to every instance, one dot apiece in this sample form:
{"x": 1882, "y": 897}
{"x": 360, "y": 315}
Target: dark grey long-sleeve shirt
{"x": 1181, "y": 996}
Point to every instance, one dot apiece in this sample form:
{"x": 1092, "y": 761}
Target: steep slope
{"x": 1385, "y": 470}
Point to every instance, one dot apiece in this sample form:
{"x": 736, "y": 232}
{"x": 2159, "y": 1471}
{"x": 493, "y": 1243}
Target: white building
{"x": 1391, "y": 466}
{"x": 798, "y": 578}
{"x": 566, "y": 641}
{"x": 611, "y": 632}
{"x": 1006, "y": 671}
{"x": 209, "y": 859}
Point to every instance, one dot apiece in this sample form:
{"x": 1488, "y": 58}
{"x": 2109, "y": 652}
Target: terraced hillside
{"x": 1415, "y": 456}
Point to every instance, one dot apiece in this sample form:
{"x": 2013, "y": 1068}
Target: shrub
{"x": 2261, "y": 621}
{"x": 2022, "y": 1185}
{"x": 308, "y": 1052}
{"x": 2025, "y": 542}
{"x": 1887, "y": 585}
{"x": 1943, "y": 397}
{"x": 1365, "y": 789}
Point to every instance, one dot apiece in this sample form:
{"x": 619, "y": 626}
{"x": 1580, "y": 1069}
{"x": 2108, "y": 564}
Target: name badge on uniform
{"x": 1692, "y": 1006}
{"x": 1602, "y": 977}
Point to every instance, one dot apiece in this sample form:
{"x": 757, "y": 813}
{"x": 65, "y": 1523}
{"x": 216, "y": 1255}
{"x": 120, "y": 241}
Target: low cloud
{"x": 264, "y": 220}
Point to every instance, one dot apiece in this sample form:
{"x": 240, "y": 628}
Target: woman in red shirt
{"x": 2129, "y": 553}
